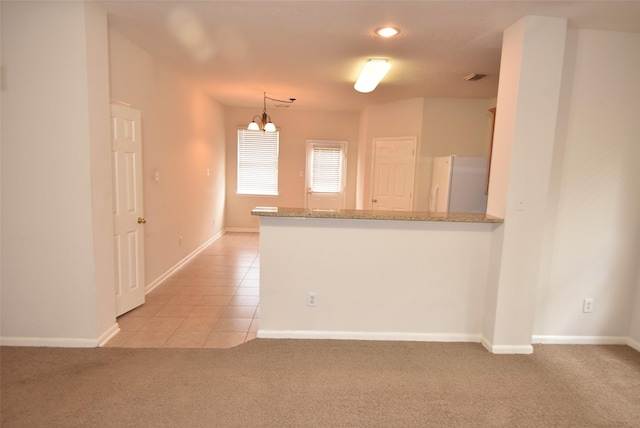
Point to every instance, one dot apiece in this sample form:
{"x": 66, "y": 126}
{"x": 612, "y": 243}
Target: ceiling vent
{"x": 474, "y": 76}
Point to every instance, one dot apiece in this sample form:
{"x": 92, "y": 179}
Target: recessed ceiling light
{"x": 387, "y": 31}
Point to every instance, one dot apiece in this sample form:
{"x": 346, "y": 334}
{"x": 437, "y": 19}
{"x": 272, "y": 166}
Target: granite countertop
{"x": 374, "y": 215}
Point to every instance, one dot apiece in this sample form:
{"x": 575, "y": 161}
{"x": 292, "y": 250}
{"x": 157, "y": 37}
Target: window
{"x": 258, "y": 162}
{"x": 326, "y": 168}
{"x": 326, "y": 172}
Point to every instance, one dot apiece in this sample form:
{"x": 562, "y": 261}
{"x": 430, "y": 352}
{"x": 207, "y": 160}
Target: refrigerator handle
{"x": 434, "y": 196}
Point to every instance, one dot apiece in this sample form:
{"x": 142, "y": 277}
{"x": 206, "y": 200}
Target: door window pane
{"x": 326, "y": 169}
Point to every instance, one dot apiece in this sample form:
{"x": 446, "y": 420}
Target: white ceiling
{"x": 314, "y": 50}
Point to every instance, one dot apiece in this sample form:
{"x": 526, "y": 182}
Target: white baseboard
{"x": 506, "y": 349}
{"x": 149, "y": 287}
{"x": 362, "y": 335}
{"x": 512, "y": 349}
{"x": 61, "y": 342}
{"x": 634, "y": 344}
{"x": 580, "y": 340}
{"x": 51, "y": 342}
{"x": 486, "y": 343}
{"x": 559, "y": 340}
{"x": 242, "y": 229}
{"x": 107, "y": 335}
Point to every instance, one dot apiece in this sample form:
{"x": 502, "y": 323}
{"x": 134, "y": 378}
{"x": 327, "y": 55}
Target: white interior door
{"x": 393, "y": 174}
{"x": 128, "y": 219}
{"x": 326, "y": 172}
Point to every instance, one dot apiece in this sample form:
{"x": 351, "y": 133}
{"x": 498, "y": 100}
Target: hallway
{"x": 211, "y": 302}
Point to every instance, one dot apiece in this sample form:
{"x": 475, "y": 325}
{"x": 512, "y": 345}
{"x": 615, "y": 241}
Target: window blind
{"x": 258, "y": 162}
{"x": 326, "y": 172}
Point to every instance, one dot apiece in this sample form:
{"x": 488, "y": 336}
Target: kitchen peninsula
{"x": 375, "y": 215}
{"x": 376, "y": 275}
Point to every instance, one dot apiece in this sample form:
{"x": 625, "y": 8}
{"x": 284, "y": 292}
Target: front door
{"x": 128, "y": 218}
{"x": 325, "y": 178}
{"x": 393, "y": 174}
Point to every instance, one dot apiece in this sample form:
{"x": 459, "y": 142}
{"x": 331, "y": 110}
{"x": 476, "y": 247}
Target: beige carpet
{"x": 304, "y": 383}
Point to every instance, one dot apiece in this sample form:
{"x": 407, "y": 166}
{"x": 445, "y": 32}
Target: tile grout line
{"x": 184, "y": 282}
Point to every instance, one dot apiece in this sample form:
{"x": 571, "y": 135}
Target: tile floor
{"x": 211, "y": 302}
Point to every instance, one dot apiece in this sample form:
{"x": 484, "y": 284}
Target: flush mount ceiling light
{"x": 372, "y": 73}
{"x": 264, "y": 121}
{"x": 387, "y": 32}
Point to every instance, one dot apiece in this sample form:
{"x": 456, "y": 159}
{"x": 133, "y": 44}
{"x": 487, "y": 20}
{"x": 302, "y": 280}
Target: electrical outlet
{"x": 587, "y": 306}
{"x": 312, "y": 299}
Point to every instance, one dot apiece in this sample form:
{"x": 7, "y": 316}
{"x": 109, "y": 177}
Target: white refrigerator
{"x": 459, "y": 185}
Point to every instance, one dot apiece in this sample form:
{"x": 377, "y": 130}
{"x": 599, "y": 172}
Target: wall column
{"x": 57, "y": 237}
{"x": 528, "y": 97}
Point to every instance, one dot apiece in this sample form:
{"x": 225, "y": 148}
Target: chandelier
{"x": 264, "y": 122}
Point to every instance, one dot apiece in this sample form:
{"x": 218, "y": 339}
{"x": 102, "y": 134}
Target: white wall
{"x": 451, "y": 126}
{"x": 363, "y": 124}
{"x": 183, "y": 136}
{"x": 573, "y": 164}
{"x": 296, "y": 127}
{"x": 455, "y": 126}
{"x": 101, "y": 175}
{"x": 55, "y": 262}
{"x": 443, "y": 126}
{"x": 55, "y": 190}
{"x": 518, "y": 190}
{"x": 374, "y": 279}
{"x": 634, "y": 330}
{"x": 398, "y": 119}
{"x": 592, "y": 240}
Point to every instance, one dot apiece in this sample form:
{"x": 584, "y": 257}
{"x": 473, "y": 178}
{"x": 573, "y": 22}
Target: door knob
{"x": 142, "y": 220}
{"x": 374, "y": 200}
